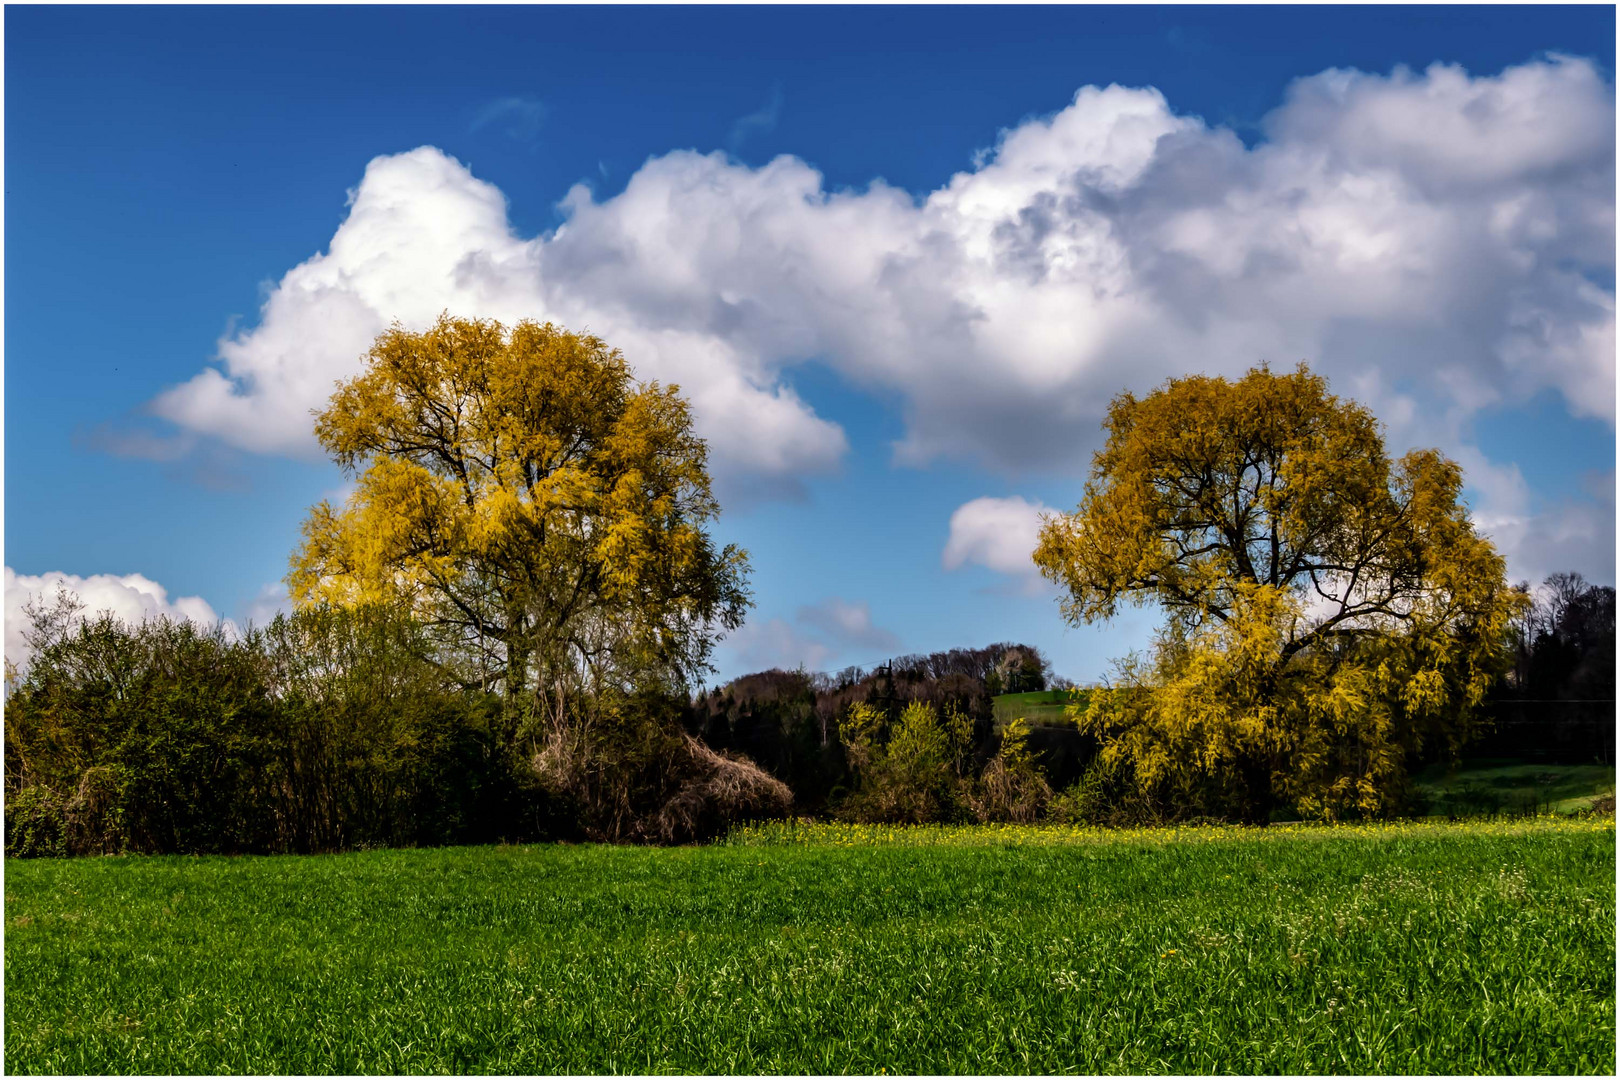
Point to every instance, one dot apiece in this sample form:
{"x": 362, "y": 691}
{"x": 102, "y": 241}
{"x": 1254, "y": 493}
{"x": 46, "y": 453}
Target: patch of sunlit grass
{"x": 842, "y": 834}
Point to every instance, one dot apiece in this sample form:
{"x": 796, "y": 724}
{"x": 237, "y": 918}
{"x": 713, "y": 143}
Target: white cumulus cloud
{"x": 999, "y": 534}
{"x": 133, "y": 598}
{"x": 1438, "y": 241}
{"x": 423, "y": 235}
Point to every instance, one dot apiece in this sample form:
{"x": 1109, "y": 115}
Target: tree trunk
{"x": 1258, "y": 798}
{"x": 516, "y": 696}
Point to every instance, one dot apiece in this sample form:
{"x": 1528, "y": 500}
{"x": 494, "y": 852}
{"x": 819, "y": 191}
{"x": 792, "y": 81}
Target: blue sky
{"x": 925, "y": 304}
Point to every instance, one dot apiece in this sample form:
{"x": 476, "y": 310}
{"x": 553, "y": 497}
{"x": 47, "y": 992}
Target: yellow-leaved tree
{"x": 521, "y": 492}
{"x": 1329, "y": 610}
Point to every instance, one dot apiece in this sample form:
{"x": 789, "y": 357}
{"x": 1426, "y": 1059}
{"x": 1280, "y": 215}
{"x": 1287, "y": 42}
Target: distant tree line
{"x": 1563, "y": 646}
{"x": 794, "y": 724}
{"x": 1556, "y": 701}
{"x": 333, "y": 729}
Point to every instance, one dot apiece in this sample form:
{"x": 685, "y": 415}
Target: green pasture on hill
{"x": 1415, "y": 948}
{"x": 1036, "y": 706}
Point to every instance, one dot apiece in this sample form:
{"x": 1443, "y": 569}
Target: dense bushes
{"x": 1012, "y": 787}
{"x": 323, "y": 731}
{"x": 911, "y": 770}
{"x": 335, "y": 729}
{"x": 330, "y": 730}
{"x": 787, "y": 722}
{"x": 913, "y": 740}
{"x": 922, "y": 768}
{"x": 36, "y": 823}
{"x": 791, "y": 722}
{"x": 626, "y": 771}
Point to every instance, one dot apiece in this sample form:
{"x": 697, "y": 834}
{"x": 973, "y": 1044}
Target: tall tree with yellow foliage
{"x": 517, "y": 489}
{"x": 1328, "y": 610}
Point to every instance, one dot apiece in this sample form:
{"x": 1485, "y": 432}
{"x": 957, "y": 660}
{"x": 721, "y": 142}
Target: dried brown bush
{"x": 721, "y": 790}
{"x": 633, "y": 775}
{"x": 1009, "y": 793}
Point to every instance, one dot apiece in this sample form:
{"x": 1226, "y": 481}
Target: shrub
{"x": 95, "y": 814}
{"x": 910, "y": 771}
{"x": 627, "y": 771}
{"x": 1012, "y": 787}
{"x": 36, "y": 824}
{"x": 720, "y": 791}
{"x": 1105, "y": 794}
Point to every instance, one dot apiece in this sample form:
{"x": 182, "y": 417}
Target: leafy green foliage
{"x": 36, "y": 823}
{"x": 1367, "y": 949}
{"x": 1012, "y": 786}
{"x": 1110, "y": 793}
{"x": 150, "y": 738}
{"x": 326, "y": 730}
{"x": 912, "y": 770}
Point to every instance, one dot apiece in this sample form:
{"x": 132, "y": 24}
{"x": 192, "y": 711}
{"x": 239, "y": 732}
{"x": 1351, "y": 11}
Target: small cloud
{"x": 762, "y": 119}
{"x": 776, "y": 644}
{"x": 847, "y": 625}
{"x": 217, "y": 470}
{"x": 826, "y": 631}
{"x": 519, "y": 118}
{"x": 207, "y": 463}
{"x": 122, "y": 440}
{"x": 998, "y": 534}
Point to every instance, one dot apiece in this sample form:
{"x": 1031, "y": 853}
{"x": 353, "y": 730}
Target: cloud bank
{"x": 1436, "y": 243}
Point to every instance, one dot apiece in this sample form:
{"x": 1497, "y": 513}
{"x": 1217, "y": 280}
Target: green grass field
{"x": 1486, "y": 947}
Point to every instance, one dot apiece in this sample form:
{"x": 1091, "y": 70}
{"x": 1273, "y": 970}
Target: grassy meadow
{"x": 1401, "y": 948}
